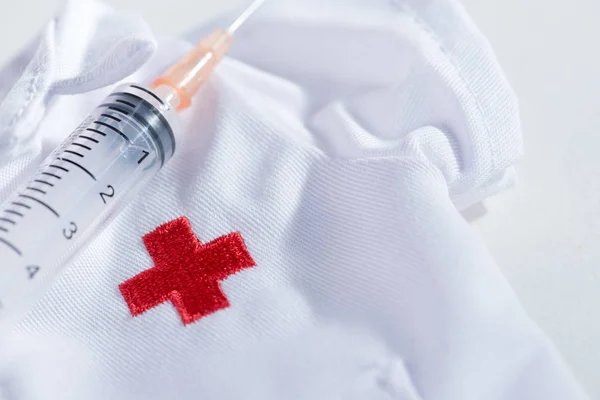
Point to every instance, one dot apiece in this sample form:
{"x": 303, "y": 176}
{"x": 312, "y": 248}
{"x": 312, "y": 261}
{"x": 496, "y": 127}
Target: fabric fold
{"x": 85, "y": 47}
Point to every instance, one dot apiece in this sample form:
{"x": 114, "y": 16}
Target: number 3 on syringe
{"x": 68, "y": 233}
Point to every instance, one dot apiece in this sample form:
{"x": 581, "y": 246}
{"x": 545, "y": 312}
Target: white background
{"x": 545, "y": 233}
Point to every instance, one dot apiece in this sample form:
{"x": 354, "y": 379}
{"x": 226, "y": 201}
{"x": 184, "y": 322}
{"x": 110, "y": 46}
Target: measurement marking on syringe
{"x": 16, "y": 203}
{"x": 43, "y": 182}
{"x": 113, "y": 128}
{"x": 79, "y": 166}
{"x": 111, "y": 117}
{"x": 150, "y": 93}
{"x": 36, "y": 190}
{"x": 11, "y": 246}
{"x": 51, "y": 174}
{"x": 52, "y": 210}
{"x": 58, "y": 167}
{"x": 88, "y": 138}
{"x": 83, "y": 146}
{"x": 125, "y": 102}
{"x": 13, "y": 212}
{"x": 117, "y": 109}
{"x": 95, "y": 131}
{"x": 74, "y": 153}
{"x": 10, "y": 221}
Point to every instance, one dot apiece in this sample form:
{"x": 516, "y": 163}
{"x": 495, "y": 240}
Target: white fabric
{"x": 341, "y": 138}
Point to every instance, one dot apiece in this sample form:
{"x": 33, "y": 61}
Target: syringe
{"x": 82, "y": 185}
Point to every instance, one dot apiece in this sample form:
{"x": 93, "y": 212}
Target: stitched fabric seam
{"x": 412, "y": 14}
{"x": 31, "y": 92}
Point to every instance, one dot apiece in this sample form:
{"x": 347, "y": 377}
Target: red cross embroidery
{"x": 185, "y": 271}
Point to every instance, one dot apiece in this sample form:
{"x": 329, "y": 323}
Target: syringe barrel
{"x": 78, "y": 190}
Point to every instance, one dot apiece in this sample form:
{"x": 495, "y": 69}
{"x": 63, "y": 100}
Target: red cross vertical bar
{"x": 185, "y": 271}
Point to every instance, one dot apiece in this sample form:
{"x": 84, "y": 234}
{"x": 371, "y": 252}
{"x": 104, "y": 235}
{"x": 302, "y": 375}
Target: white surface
{"x": 544, "y": 232}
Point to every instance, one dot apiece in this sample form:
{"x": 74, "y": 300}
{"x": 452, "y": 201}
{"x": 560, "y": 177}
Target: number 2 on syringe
{"x": 104, "y": 195}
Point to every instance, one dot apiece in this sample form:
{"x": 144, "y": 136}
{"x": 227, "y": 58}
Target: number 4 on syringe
{"x": 32, "y": 270}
